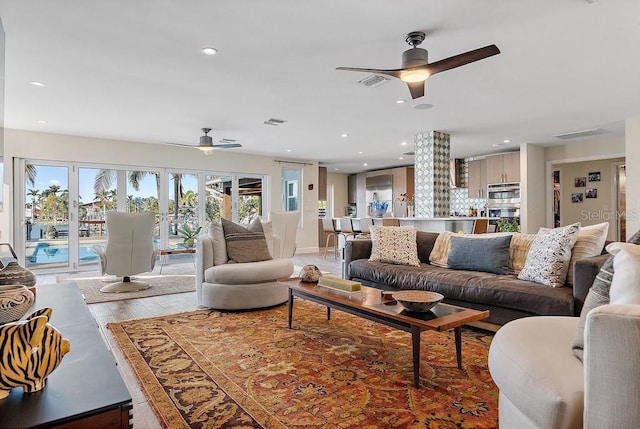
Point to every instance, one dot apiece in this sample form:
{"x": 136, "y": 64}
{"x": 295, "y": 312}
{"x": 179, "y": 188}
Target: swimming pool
{"x": 46, "y": 253}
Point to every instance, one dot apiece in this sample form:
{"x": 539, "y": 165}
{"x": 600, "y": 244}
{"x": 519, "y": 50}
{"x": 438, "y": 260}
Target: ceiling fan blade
{"x": 227, "y": 145}
{"x": 392, "y": 73}
{"x": 462, "y": 59}
{"x": 416, "y": 89}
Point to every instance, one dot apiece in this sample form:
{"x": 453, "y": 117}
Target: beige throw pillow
{"x": 394, "y": 244}
{"x": 440, "y": 253}
{"x": 518, "y": 251}
{"x": 216, "y": 234}
{"x": 590, "y": 242}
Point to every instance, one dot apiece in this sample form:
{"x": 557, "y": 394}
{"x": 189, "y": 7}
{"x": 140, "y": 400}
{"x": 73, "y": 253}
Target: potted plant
{"x": 504, "y": 225}
{"x": 189, "y": 234}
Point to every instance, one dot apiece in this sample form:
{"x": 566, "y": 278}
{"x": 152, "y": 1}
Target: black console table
{"x": 86, "y": 390}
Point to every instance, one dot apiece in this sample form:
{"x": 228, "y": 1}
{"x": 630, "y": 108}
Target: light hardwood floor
{"x": 115, "y": 311}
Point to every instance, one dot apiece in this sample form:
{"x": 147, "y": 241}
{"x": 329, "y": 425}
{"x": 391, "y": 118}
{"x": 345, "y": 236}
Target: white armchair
{"x": 242, "y": 286}
{"x": 129, "y": 249}
{"x": 543, "y": 385}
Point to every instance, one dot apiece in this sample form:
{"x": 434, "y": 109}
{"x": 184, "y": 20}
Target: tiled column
{"x": 432, "y": 174}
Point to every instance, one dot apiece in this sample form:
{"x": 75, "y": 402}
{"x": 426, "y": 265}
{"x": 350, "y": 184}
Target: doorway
{"x": 621, "y": 204}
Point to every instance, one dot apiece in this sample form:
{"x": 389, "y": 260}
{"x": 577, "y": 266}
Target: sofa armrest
{"x": 612, "y": 367}
{"x": 584, "y": 273}
{"x": 355, "y": 249}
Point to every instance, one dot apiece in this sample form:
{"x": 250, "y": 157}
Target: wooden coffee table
{"x": 368, "y": 303}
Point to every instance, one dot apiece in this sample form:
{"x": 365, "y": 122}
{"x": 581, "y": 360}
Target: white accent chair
{"x": 233, "y": 286}
{"x": 543, "y": 385}
{"x": 129, "y": 250}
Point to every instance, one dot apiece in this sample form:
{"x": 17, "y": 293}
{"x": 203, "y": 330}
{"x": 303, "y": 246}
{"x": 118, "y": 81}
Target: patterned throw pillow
{"x": 549, "y": 255}
{"x": 518, "y": 251}
{"x": 394, "y": 244}
{"x": 440, "y": 253}
{"x": 245, "y": 244}
{"x": 590, "y": 242}
{"x": 598, "y": 295}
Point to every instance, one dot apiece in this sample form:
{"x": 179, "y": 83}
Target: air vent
{"x": 583, "y": 133}
{"x": 374, "y": 80}
{"x": 274, "y": 121}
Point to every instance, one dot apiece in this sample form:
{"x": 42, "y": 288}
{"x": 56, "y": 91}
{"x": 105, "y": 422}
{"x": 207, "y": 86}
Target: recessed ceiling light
{"x": 424, "y": 106}
{"x": 401, "y": 158}
{"x": 209, "y": 51}
{"x": 403, "y": 143}
{"x": 288, "y": 150}
{"x": 360, "y": 153}
{"x": 507, "y": 141}
{"x": 42, "y": 121}
{"x": 365, "y": 164}
{"x": 401, "y": 101}
{"x": 36, "y": 83}
{"x": 336, "y": 169}
{"x": 344, "y": 135}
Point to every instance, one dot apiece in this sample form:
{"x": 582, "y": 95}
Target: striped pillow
{"x": 590, "y": 242}
{"x": 518, "y": 251}
{"x": 245, "y": 244}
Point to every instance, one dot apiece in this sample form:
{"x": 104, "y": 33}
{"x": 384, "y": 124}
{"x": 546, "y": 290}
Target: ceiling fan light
{"x": 412, "y": 76}
{"x": 206, "y": 149}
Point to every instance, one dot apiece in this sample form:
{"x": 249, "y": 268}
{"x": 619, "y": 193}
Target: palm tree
{"x": 33, "y": 193}
{"x": 30, "y": 173}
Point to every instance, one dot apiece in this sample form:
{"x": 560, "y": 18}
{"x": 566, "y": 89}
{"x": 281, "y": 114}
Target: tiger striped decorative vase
{"x": 15, "y": 301}
{"x": 29, "y": 351}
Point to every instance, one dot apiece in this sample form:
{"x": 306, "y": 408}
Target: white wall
{"x": 57, "y": 147}
{"x": 632, "y": 145}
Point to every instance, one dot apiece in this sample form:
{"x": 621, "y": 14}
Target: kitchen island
{"x": 439, "y": 224}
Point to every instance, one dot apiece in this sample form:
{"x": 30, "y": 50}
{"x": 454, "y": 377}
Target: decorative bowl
{"x": 417, "y": 300}
{"x": 15, "y": 301}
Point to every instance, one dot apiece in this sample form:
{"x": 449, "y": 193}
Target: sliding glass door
{"x": 64, "y": 207}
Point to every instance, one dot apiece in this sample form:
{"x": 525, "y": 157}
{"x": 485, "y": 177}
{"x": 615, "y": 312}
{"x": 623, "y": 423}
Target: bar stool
{"x": 390, "y": 221}
{"x": 329, "y": 226}
{"x": 480, "y": 226}
{"x": 365, "y": 227}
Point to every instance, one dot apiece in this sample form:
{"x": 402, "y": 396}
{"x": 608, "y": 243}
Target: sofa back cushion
{"x": 425, "y": 241}
{"x": 487, "y": 254}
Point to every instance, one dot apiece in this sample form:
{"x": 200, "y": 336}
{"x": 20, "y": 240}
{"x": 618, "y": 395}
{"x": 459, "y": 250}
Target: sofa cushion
{"x": 548, "y": 258}
{"x": 395, "y": 245}
{"x": 531, "y": 364}
{"x": 598, "y": 295}
{"x": 425, "y": 242}
{"x": 590, "y": 242}
{"x": 249, "y": 272}
{"x": 246, "y": 244}
{"x": 467, "y": 286}
{"x": 488, "y": 254}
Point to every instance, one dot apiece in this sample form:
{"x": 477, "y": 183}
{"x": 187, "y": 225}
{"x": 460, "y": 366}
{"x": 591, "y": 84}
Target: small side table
{"x": 163, "y": 253}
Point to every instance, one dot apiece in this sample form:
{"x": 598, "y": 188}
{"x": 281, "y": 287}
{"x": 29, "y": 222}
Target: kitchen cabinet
{"x": 503, "y": 168}
{"x": 322, "y": 183}
{"x": 477, "y": 181}
{"x": 352, "y": 190}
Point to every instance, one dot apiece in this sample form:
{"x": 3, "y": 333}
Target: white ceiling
{"x": 133, "y": 70}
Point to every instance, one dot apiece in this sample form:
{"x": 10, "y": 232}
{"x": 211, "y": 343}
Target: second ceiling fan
{"x": 416, "y": 67}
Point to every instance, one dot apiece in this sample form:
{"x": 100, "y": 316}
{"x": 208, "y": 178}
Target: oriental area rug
{"x": 206, "y": 369}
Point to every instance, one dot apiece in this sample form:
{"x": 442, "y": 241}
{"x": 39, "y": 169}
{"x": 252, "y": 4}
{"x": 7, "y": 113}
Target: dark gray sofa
{"x": 506, "y": 296}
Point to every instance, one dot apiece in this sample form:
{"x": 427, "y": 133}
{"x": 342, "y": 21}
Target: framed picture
{"x": 576, "y": 197}
{"x": 591, "y": 193}
{"x": 580, "y": 182}
{"x": 594, "y": 176}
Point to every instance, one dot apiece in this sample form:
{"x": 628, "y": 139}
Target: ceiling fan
{"x": 416, "y": 68}
{"x": 206, "y": 143}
